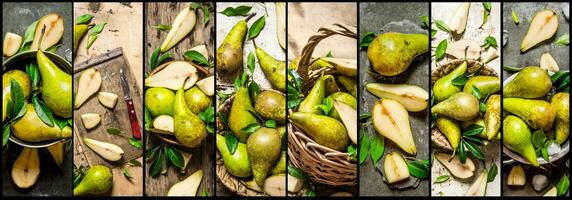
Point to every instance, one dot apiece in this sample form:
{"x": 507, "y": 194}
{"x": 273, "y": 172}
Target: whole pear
{"x": 271, "y": 105}
{"x": 538, "y": 114}
{"x": 531, "y": 82}
{"x": 517, "y": 137}
{"x": 197, "y": 100}
{"x": 485, "y": 84}
{"x": 349, "y": 84}
{"x": 274, "y": 70}
{"x": 342, "y": 97}
{"x": 444, "y": 87}
{"x": 451, "y": 129}
{"x": 97, "y": 180}
{"x": 324, "y": 130}
{"x": 561, "y": 103}
{"x": 190, "y": 130}
{"x": 22, "y": 79}
{"x": 315, "y": 97}
{"x": 239, "y": 116}
{"x": 391, "y": 53}
{"x": 229, "y": 53}
{"x": 492, "y": 116}
{"x": 236, "y": 164}
{"x": 160, "y": 101}
{"x": 280, "y": 166}
{"x": 461, "y": 106}
{"x": 56, "y": 87}
{"x": 78, "y": 31}
{"x": 31, "y": 128}
{"x": 331, "y": 86}
{"x": 263, "y": 148}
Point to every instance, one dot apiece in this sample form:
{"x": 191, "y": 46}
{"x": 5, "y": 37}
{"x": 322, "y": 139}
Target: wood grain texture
{"x": 203, "y": 156}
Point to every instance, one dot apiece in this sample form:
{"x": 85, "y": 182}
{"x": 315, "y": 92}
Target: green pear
{"x": 561, "y": 103}
{"x": 492, "y": 116}
{"x": 342, "y": 97}
{"x": 236, "y": 164}
{"x": 391, "y": 53}
{"x": 517, "y": 137}
{"x": 263, "y": 148}
{"x": 274, "y": 70}
{"x": 97, "y": 180}
{"x": 444, "y": 87}
{"x": 22, "y": 79}
{"x": 240, "y": 116}
{"x": 461, "y": 106}
{"x": 197, "y": 100}
{"x": 190, "y": 130}
{"x": 56, "y": 87}
{"x": 315, "y": 97}
{"x": 485, "y": 84}
{"x": 324, "y": 130}
{"x": 349, "y": 84}
{"x": 331, "y": 86}
{"x": 31, "y": 128}
{"x": 538, "y": 114}
{"x": 451, "y": 129}
{"x": 531, "y": 82}
{"x": 79, "y": 31}
{"x": 159, "y": 101}
{"x": 315, "y": 64}
{"x": 271, "y": 105}
{"x": 229, "y": 53}
{"x": 280, "y": 167}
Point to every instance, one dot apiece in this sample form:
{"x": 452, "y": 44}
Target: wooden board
{"x": 203, "y": 156}
{"x": 108, "y": 67}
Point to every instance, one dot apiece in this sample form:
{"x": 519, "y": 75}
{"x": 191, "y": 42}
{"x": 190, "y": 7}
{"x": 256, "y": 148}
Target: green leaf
{"x": 461, "y": 152}
{"x": 53, "y": 49}
{"x": 43, "y": 112}
{"x": 84, "y": 19}
{"x": 473, "y": 129}
{"x": 10, "y": 110}
{"x": 364, "y": 147}
{"x": 135, "y": 143}
{"x": 18, "y": 100}
{"x": 163, "y": 58}
{"x": 206, "y": 15}
{"x": 329, "y": 55}
{"x": 270, "y": 123}
{"x": 238, "y": 11}
{"x": 310, "y": 193}
{"x": 127, "y": 174}
{"x": 511, "y": 69}
{"x": 515, "y": 17}
{"x": 195, "y": 56}
{"x": 376, "y": 148}
{"x": 364, "y": 117}
{"x": 441, "y": 48}
{"x": 476, "y": 92}
{"x": 147, "y": 120}
{"x": 70, "y": 122}
{"x": 208, "y": 115}
{"x": 175, "y": 157}
{"x": 487, "y": 6}
{"x": 237, "y": 83}
{"x": 256, "y": 27}
{"x": 490, "y": 41}
{"x": 97, "y": 29}
{"x": 352, "y": 151}
{"x": 298, "y": 173}
{"x": 195, "y": 5}
{"x": 162, "y": 27}
{"x": 254, "y": 89}
{"x": 90, "y": 40}
{"x": 205, "y": 193}
{"x": 538, "y": 138}
{"x": 250, "y": 62}
{"x": 5, "y": 134}
{"x": 327, "y": 105}
{"x": 425, "y": 20}
{"x": 28, "y": 37}
{"x": 34, "y": 73}
{"x": 114, "y": 131}
{"x": 153, "y": 59}
{"x": 563, "y": 40}
{"x": 562, "y": 186}
{"x": 442, "y": 26}
{"x": 157, "y": 164}
{"x": 366, "y": 39}
{"x": 251, "y": 128}
{"x": 492, "y": 173}
{"x": 433, "y": 33}
{"x": 544, "y": 151}
{"x": 482, "y": 107}
{"x": 152, "y": 153}
{"x": 475, "y": 150}
{"x": 135, "y": 163}
{"x": 231, "y": 142}
{"x": 418, "y": 169}
{"x": 558, "y": 76}
{"x": 441, "y": 179}
{"x": 460, "y": 81}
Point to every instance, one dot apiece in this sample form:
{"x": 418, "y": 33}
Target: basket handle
{"x": 323, "y": 33}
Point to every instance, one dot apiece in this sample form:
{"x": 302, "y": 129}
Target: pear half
{"x": 164, "y": 123}
{"x": 294, "y": 184}
{"x": 12, "y": 43}
{"x": 173, "y": 76}
{"x": 281, "y": 23}
{"x": 349, "y": 118}
{"x": 391, "y": 120}
{"x": 187, "y": 187}
{"x": 455, "y": 167}
{"x": 458, "y": 21}
{"x": 106, "y": 150}
{"x": 26, "y": 168}
{"x": 89, "y": 83}
{"x": 395, "y": 168}
{"x": 57, "y": 152}
{"x": 412, "y": 97}
{"x": 54, "y": 24}
{"x": 182, "y": 25}
{"x": 346, "y": 67}
{"x": 457, "y": 49}
{"x": 275, "y": 186}
{"x": 547, "y": 62}
{"x": 516, "y": 177}
{"x": 479, "y": 187}
{"x": 542, "y": 27}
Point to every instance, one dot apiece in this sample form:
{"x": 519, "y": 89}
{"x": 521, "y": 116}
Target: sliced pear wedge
{"x": 542, "y": 27}
{"x": 187, "y": 187}
{"x": 281, "y": 23}
{"x": 12, "y": 43}
{"x": 457, "y": 49}
{"x": 294, "y": 184}
{"x": 54, "y": 24}
{"x": 164, "y": 123}
{"x": 516, "y": 176}
{"x": 26, "y": 168}
{"x": 395, "y": 168}
{"x": 552, "y": 192}
{"x": 202, "y": 49}
{"x": 182, "y": 25}
{"x": 186, "y": 159}
{"x": 391, "y": 120}
{"x": 458, "y": 21}
{"x": 173, "y": 76}
{"x": 455, "y": 167}
{"x": 412, "y": 97}
{"x": 207, "y": 85}
{"x": 275, "y": 186}
{"x": 57, "y": 152}
{"x": 89, "y": 83}
{"x": 547, "y": 62}
{"x": 479, "y": 187}
{"x": 489, "y": 55}
{"x": 90, "y": 120}
{"x": 346, "y": 67}
{"x": 107, "y": 99}
{"x": 106, "y": 150}
{"x": 349, "y": 119}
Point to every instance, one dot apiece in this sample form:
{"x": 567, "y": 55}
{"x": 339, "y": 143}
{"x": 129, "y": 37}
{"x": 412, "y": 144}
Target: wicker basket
{"x": 437, "y": 137}
{"x": 322, "y": 164}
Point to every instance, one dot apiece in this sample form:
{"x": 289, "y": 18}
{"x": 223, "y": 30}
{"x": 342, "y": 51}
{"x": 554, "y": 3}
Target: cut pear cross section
{"x": 391, "y": 120}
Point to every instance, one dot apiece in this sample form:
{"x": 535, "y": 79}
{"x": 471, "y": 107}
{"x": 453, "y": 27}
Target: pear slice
{"x": 395, "y": 168}
{"x": 12, "y": 43}
{"x": 26, "y": 168}
{"x": 89, "y": 83}
{"x": 186, "y": 159}
{"x": 202, "y": 49}
{"x": 391, "y": 120}
{"x": 457, "y": 49}
{"x": 207, "y": 85}
{"x": 458, "y": 21}
{"x": 173, "y": 76}
{"x": 547, "y": 62}
{"x": 187, "y": 187}
{"x": 412, "y": 97}
{"x": 54, "y": 24}
{"x": 106, "y": 150}
{"x": 489, "y": 55}
{"x": 57, "y": 152}
{"x": 542, "y": 27}
{"x": 294, "y": 184}
{"x": 479, "y": 187}
{"x": 107, "y": 99}
{"x": 164, "y": 123}
{"x": 552, "y": 192}
{"x": 349, "y": 118}
{"x": 90, "y": 120}
{"x": 275, "y": 186}
{"x": 182, "y": 25}
{"x": 455, "y": 167}
{"x": 516, "y": 176}
{"x": 346, "y": 67}
{"x": 281, "y": 23}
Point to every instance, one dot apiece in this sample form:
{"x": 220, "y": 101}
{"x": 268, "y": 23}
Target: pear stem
{"x": 250, "y": 16}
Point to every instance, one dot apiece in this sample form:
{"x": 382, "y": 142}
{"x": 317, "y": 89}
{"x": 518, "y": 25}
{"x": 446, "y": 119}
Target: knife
{"x": 130, "y": 108}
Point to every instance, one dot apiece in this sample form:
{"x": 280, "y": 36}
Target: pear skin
{"x": 79, "y": 31}
{"x": 492, "y": 116}
{"x": 190, "y": 130}
{"x": 197, "y": 100}
{"x": 263, "y": 148}
{"x": 97, "y": 180}
{"x": 345, "y": 98}
{"x": 272, "y": 68}
{"x": 324, "y": 130}
{"x": 31, "y": 128}
{"x": 280, "y": 167}
{"x": 517, "y": 137}
{"x": 461, "y": 106}
{"x": 391, "y": 53}
{"x": 451, "y": 129}
{"x": 315, "y": 97}
{"x": 270, "y": 105}
{"x": 229, "y": 53}
{"x": 485, "y": 84}
{"x": 22, "y": 79}
{"x": 444, "y": 87}
{"x": 349, "y": 84}
{"x": 56, "y": 87}
{"x": 561, "y": 103}
{"x": 237, "y": 164}
{"x": 159, "y": 101}
{"x": 239, "y": 116}
{"x": 531, "y": 83}
{"x": 538, "y": 114}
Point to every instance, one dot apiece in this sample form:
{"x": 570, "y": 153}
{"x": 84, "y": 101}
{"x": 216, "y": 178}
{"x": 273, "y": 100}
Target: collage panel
{"x": 251, "y": 104}
{"x": 179, "y": 89}
{"x": 322, "y": 105}
{"x": 465, "y": 102}
{"x": 535, "y": 99}
{"x": 108, "y": 115}
{"x": 37, "y": 99}
{"x": 393, "y": 87}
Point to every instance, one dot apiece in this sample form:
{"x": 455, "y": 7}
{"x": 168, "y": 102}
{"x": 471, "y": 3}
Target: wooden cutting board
{"x": 108, "y": 65}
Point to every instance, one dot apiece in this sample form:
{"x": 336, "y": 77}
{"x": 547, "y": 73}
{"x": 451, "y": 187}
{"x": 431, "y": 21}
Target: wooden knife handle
{"x": 133, "y": 119}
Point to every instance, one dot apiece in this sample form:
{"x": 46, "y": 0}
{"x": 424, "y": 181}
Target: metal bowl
{"x": 19, "y": 61}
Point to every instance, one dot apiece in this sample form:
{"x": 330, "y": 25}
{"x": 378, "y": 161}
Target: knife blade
{"x": 136, "y": 131}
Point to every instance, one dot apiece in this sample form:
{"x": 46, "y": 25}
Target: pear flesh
{"x": 275, "y": 186}
{"x": 542, "y": 27}
{"x": 57, "y": 152}
{"x": 107, "y": 99}
{"x": 458, "y": 21}
{"x": 89, "y": 84}
{"x": 207, "y": 85}
{"x": 164, "y": 123}
{"x": 346, "y": 67}
{"x": 187, "y": 187}
{"x": 281, "y": 23}
{"x": 173, "y": 76}
{"x": 464, "y": 49}
{"x": 182, "y": 25}
{"x": 26, "y": 168}
{"x": 90, "y": 120}
{"x": 547, "y": 62}
{"x": 479, "y": 187}
{"x": 516, "y": 177}
{"x": 412, "y": 97}
{"x": 348, "y": 116}
{"x": 294, "y": 184}
{"x": 455, "y": 167}
{"x": 97, "y": 180}
{"x": 31, "y": 128}
{"x": 108, "y": 151}
{"x": 395, "y": 168}
{"x": 517, "y": 137}
{"x": 54, "y": 24}
{"x": 12, "y": 43}
{"x": 391, "y": 120}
